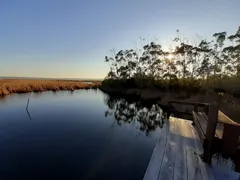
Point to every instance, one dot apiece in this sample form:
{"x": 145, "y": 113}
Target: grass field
{"x": 12, "y": 86}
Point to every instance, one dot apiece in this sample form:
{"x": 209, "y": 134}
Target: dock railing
{"x": 213, "y": 126}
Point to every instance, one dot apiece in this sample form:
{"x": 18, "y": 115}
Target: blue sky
{"x": 70, "y": 38}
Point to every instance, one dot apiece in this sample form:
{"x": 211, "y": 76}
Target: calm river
{"x": 81, "y": 135}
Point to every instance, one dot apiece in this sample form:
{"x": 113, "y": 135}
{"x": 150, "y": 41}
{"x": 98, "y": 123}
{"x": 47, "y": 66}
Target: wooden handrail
{"x": 189, "y": 103}
{"x": 228, "y": 132}
{"x": 196, "y": 105}
{"x": 224, "y": 119}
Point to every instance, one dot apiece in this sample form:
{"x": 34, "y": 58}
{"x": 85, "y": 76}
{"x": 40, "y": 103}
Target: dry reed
{"x": 24, "y": 86}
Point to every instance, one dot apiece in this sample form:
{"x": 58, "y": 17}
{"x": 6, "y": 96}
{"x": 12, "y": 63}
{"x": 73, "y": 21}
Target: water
{"x": 79, "y": 135}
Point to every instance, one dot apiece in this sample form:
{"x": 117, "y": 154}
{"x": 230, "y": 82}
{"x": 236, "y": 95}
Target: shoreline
{"x": 228, "y": 104}
{"x": 19, "y": 86}
{"x": 146, "y": 94}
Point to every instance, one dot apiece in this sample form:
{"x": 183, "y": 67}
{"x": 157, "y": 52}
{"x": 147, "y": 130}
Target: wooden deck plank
{"x": 176, "y": 155}
{"x": 188, "y": 140}
{"x": 205, "y": 168}
{"x": 199, "y": 128}
{"x": 202, "y": 119}
{"x": 219, "y": 128}
{"x": 198, "y": 146}
{"x": 167, "y": 169}
{"x": 180, "y": 166}
{"x": 155, "y": 163}
{"x": 188, "y": 131}
{"x": 194, "y": 171}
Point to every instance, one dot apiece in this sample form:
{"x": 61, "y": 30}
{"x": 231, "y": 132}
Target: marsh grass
{"x": 8, "y": 87}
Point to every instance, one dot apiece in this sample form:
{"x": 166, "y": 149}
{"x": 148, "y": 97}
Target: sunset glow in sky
{"x": 70, "y": 38}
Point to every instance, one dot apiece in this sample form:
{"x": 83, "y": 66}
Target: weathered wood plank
{"x": 194, "y": 172}
{"x": 186, "y": 132}
{"x": 188, "y": 103}
{"x": 219, "y": 128}
{"x": 198, "y": 127}
{"x": 205, "y": 168}
{"x": 222, "y": 118}
{"x": 167, "y": 168}
{"x": 155, "y": 163}
{"x": 176, "y": 155}
{"x": 202, "y": 121}
{"x": 198, "y": 146}
{"x": 172, "y": 128}
{"x": 180, "y": 166}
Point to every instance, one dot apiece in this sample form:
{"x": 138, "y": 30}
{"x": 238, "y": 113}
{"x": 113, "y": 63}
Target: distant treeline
{"x": 206, "y": 63}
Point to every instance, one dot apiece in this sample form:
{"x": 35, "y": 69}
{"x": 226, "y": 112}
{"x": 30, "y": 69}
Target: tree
{"x": 205, "y": 54}
{"x": 216, "y": 52}
{"x": 232, "y": 53}
{"x": 199, "y": 61}
{"x": 123, "y": 64}
{"x": 151, "y": 60}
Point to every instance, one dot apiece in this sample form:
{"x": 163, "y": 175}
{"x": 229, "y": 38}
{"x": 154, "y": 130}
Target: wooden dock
{"x": 176, "y": 155}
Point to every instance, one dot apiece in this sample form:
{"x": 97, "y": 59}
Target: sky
{"x": 70, "y": 38}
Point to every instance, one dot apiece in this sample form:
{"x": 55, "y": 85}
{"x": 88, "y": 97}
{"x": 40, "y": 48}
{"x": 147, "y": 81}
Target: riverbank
{"x": 11, "y": 86}
{"x": 228, "y": 104}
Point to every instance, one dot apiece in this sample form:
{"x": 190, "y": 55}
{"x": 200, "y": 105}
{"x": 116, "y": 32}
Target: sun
{"x": 170, "y": 56}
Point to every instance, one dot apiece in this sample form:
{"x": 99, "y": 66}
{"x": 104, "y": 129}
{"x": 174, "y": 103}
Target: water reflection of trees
{"x": 148, "y": 117}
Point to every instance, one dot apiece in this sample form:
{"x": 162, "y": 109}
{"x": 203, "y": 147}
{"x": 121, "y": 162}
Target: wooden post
{"x": 210, "y": 133}
{"x": 206, "y": 109}
{"x": 196, "y": 107}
